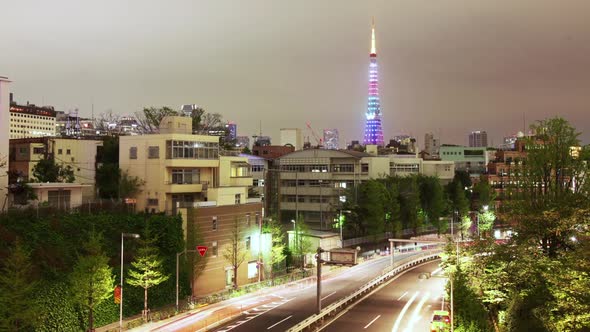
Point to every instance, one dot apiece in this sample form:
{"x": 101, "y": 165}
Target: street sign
{"x": 202, "y": 250}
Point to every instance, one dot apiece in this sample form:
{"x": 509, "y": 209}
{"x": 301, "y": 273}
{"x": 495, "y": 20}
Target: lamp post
{"x": 340, "y": 220}
{"x": 123, "y": 236}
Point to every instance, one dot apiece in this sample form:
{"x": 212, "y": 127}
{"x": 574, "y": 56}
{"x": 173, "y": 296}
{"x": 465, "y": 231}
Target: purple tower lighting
{"x": 373, "y": 129}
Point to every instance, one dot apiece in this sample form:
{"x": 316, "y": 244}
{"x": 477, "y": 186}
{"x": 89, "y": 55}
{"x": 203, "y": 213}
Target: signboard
{"x": 130, "y": 201}
{"x": 202, "y": 250}
{"x": 343, "y": 256}
{"x": 117, "y": 294}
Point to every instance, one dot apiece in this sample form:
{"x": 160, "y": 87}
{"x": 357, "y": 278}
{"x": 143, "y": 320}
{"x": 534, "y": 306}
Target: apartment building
{"x": 79, "y": 154}
{"x": 180, "y": 168}
{"x": 4, "y": 135}
{"x": 30, "y": 120}
{"x": 312, "y": 183}
{"x": 216, "y": 225}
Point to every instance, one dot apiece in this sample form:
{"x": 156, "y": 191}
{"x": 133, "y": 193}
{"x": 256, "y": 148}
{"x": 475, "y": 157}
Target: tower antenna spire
{"x": 373, "y": 48}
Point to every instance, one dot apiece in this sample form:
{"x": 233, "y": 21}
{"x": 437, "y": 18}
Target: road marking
{"x": 277, "y": 323}
{"x": 325, "y": 297}
{"x": 415, "y": 314}
{"x": 398, "y": 321}
{"x": 404, "y": 294}
{"x": 373, "y": 321}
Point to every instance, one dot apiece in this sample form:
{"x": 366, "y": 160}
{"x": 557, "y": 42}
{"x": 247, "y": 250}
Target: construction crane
{"x": 319, "y": 141}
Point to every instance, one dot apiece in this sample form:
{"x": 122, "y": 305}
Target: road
{"x": 405, "y": 304}
{"x": 290, "y": 308}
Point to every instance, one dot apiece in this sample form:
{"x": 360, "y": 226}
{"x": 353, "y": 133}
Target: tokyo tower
{"x": 373, "y": 129}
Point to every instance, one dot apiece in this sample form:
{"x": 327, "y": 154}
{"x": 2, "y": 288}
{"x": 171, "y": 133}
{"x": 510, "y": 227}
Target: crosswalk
{"x": 254, "y": 312}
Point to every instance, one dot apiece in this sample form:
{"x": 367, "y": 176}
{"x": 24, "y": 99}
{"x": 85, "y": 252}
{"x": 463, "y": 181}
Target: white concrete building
{"x": 4, "y": 132}
{"x": 292, "y": 136}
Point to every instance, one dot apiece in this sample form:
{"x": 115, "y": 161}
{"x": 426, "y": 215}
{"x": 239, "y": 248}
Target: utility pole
{"x": 319, "y": 279}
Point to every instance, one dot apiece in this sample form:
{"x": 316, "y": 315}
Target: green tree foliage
{"x": 129, "y": 186}
{"x": 147, "y": 268}
{"x": 409, "y": 198}
{"x": 276, "y": 254}
{"x": 92, "y": 279}
{"x": 484, "y": 194}
{"x": 432, "y": 201}
{"x": 235, "y": 252}
{"x": 373, "y": 203}
{"x": 549, "y": 185}
{"x": 47, "y": 170}
{"x": 18, "y": 311}
{"x": 107, "y": 180}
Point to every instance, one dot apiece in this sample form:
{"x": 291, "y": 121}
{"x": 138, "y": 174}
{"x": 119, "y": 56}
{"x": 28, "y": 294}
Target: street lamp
{"x": 340, "y": 221}
{"x": 123, "y": 236}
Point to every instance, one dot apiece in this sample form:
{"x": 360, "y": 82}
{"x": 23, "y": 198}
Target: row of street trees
{"x": 538, "y": 280}
{"x": 394, "y": 203}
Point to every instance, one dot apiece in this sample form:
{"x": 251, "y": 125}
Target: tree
{"x": 372, "y": 205}
{"x": 46, "y": 170}
{"x": 108, "y": 122}
{"x": 484, "y": 193}
{"x": 235, "y": 251}
{"x": 108, "y": 176}
{"x": 459, "y": 203}
{"x": 431, "y": 201}
{"x": 276, "y": 254}
{"x": 549, "y": 186}
{"x": 129, "y": 186}
{"x": 147, "y": 270}
{"x": 92, "y": 279}
{"x": 149, "y": 119}
{"x": 409, "y": 198}
{"x": 18, "y": 310}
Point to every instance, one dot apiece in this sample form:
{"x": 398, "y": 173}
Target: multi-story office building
{"x": 478, "y": 139}
{"x": 180, "y": 168}
{"x": 232, "y": 131}
{"x": 292, "y": 136}
{"x": 79, "y": 154}
{"x": 258, "y": 168}
{"x": 431, "y": 146}
{"x": 331, "y": 139}
{"x": 470, "y": 159}
{"x": 242, "y": 142}
{"x": 30, "y": 120}
{"x": 406, "y": 165}
{"x": 313, "y": 182}
{"x": 271, "y": 151}
{"x": 4, "y": 135}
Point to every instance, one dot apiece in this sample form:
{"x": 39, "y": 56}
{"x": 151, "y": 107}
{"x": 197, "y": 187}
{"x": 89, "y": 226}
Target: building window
{"x": 248, "y": 242}
{"x": 68, "y": 151}
{"x": 257, "y": 219}
{"x": 214, "y": 223}
{"x": 364, "y": 168}
{"x": 152, "y": 201}
{"x": 154, "y": 152}
{"x": 191, "y": 150}
{"x": 248, "y": 219}
{"x": 133, "y": 152}
{"x": 59, "y": 198}
{"x": 214, "y": 249}
{"x": 238, "y": 199}
{"x": 38, "y": 150}
{"x": 186, "y": 176}
{"x": 257, "y": 168}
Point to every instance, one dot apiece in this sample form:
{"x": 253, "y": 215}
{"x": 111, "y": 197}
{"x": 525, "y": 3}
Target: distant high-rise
{"x": 292, "y": 136}
{"x": 331, "y": 139}
{"x": 478, "y": 139}
{"x": 243, "y": 142}
{"x": 373, "y": 129}
{"x": 431, "y": 145}
{"x": 232, "y": 131}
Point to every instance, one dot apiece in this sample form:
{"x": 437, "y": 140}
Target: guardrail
{"x": 336, "y": 307}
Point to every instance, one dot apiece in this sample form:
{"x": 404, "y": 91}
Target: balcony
{"x": 177, "y": 188}
{"x": 191, "y": 163}
{"x": 240, "y": 181}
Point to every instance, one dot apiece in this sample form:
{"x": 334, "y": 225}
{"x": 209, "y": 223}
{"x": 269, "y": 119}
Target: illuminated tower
{"x": 373, "y": 129}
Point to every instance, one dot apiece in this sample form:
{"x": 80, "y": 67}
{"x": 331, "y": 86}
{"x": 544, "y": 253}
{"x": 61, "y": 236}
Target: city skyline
{"x": 447, "y": 68}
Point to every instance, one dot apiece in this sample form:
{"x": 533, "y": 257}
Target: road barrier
{"x": 331, "y": 310}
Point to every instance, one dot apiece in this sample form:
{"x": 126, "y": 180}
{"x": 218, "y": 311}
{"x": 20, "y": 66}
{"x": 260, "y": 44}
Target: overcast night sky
{"x": 446, "y": 66}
